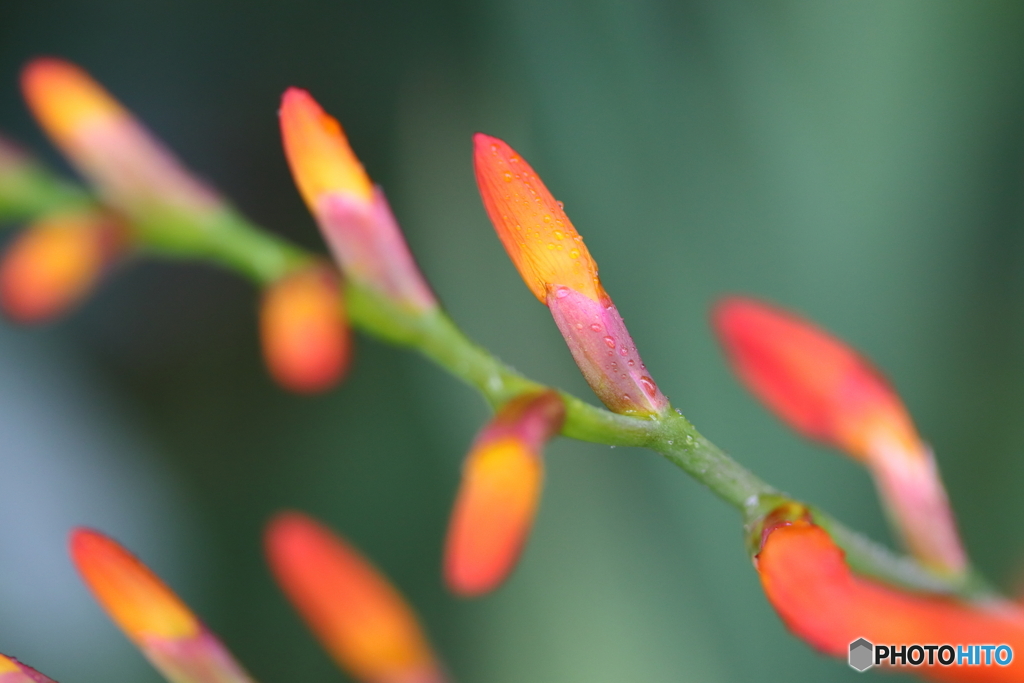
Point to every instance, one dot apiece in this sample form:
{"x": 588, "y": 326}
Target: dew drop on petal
{"x": 648, "y": 385}
{"x": 595, "y": 327}
{"x": 610, "y": 342}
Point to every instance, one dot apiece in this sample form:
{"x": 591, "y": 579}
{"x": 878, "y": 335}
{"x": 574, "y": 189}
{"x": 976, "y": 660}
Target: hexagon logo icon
{"x": 862, "y": 655}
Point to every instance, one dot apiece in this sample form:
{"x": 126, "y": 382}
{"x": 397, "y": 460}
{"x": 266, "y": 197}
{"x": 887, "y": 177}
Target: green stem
{"x": 228, "y": 239}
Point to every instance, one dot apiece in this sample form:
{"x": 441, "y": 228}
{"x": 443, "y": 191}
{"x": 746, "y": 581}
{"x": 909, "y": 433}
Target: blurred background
{"x": 859, "y": 162}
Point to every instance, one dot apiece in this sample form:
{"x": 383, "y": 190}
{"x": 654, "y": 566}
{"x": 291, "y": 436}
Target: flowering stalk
{"x": 358, "y": 616}
{"x": 828, "y": 392}
{"x": 151, "y": 615}
{"x": 501, "y": 484}
{"x": 13, "y": 671}
{"x": 555, "y": 264}
{"x": 238, "y": 245}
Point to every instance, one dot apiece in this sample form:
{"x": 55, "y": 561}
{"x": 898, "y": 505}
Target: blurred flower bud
{"x": 133, "y": 171}
{"x": 500, "y": 491}
{"x": 56, "y": 262}
{"x": 150, "y": 614}
{"x": 353, "y": 215}
{"x": 558, "y": 269}
{"x": 828, "y": 392}
{"x": 358, "y": 616}
{"x": 306, "y": 340}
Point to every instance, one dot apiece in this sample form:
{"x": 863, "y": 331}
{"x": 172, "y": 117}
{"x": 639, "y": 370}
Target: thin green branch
{"x": 229, "y": 240}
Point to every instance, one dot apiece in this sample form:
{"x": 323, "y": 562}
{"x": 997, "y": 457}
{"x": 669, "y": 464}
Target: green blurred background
{"x": 860, "y": 162}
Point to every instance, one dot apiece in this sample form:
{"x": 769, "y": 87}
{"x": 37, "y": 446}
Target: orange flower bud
{"x": 13, "y": 671}
{"x": 359, "y": 617}
{"x": 558, "y": 269}
{"x": 106, "y": 143}
{"x": 150, "y": 614}
{"x": 497, "y": 501}
{"x": 306, "y": 340}
{"x": 828, "y": 392}
{"x": 57, "y": 261}
{"x": 807, "y": 581}
{"x": 353, "y": 215}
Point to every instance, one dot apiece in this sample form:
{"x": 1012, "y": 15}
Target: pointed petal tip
{"x": 64, "y": 97}
{"x": 318, "y": 151}
{"x": 533, "y": 227}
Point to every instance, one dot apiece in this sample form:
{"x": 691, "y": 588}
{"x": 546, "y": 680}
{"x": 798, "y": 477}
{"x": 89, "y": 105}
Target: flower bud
{"x": 56, "y": 262}
{"x": 106, "y": 144}
{"x": 353, "y": 215}
{"x": 500, "y": 491}
{"x": 828, "y": 392}
{"x": 556, "y": 266}
{"x": 306, "y": 340}
{"x": 358, "y": 616}
{"x": 150, "y": 614}
{"x": 807, "y": 581}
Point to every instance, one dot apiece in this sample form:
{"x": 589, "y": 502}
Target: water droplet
{"x": 560, "y": 205}
{"x": 595, "y": 327}
{"x": 575, "y": 253}
{"x": 508, "y": 177}
{"x": 514, "y": 160}
{"x": 579, "y": 326}
{"x": 551, "y": 246}
{"x": 494, "y": 148}
{"x": 610, "y": 342}
{"x": 547, "y": 219}
{"x": 670, "y": 442}
{"x": 558, "y": 234}
{"x": 648, "y": 384}
{"x": 631, "y": 363}
{"x": 623, "y": 375}
{"x": 625, "y": 397}
{"x": 562, "y": 292}
{"x": 623, "y": 352}
{"x": 679, "y": 412}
